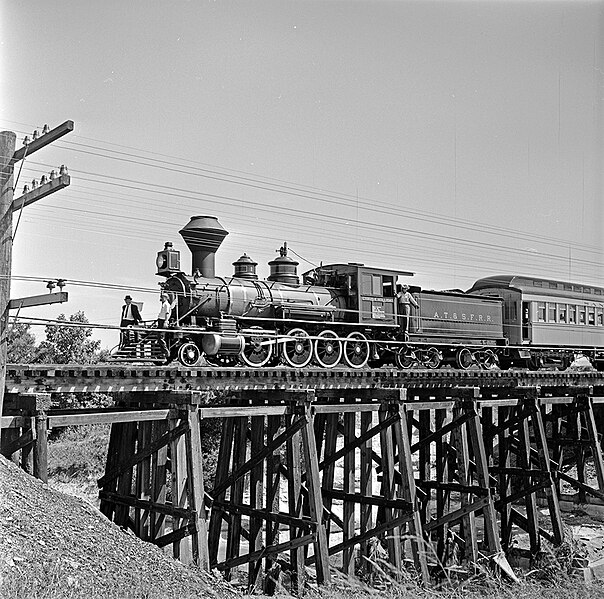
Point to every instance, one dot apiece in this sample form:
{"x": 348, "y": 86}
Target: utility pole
{"x": 9, "y": 205}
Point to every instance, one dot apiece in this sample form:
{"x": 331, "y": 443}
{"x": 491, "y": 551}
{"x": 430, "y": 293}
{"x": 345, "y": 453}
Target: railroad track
{"x": 68, "y": 378}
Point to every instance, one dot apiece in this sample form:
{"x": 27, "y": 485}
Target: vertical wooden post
{"x": 273, "y": 483}
{"x": 349, "y": 487}
{"x": 108, "y": 507}
{"x": 459, "y": 439}
{"x": 551, "y": 490}
{"x": 366, "y": 479}
{"x": 592, "y": 432}
{"x": 236, "y": 493}
{"x": 41, "y": 447}
{"x": 389, "y": 488}
{"x": 159, "y": 463}
{"x": 143, "y": 482}
{"x": 505, "y": 486}
{"x": 424, "y": 458}
{"x": 256, "y": 492}
{"x": 408, "y": 491}
{"x": 331, "y": 439}
{"x": 27, "y": 453}
{"x": 315, "y": 502}
{"x": 222, "y": 471}
{"x": 294, "y": 493}
{"x": 441, "y": 417}
{"x": 482, "y": 474}
{"x": 181, "y": 548}
{"x": 195, "y": 489}
{"x": 7, "y": 150}
{"x": 126, "y": 446}
{"x": 530, "y": 500}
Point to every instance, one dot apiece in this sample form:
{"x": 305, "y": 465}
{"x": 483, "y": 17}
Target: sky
{"x": 453, "y": 139}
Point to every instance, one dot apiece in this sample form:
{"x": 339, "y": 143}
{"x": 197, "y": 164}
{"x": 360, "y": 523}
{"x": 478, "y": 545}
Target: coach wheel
{"x": 297, "y": 349}
{"x": 189, "y": 354}
{"x": 356, "y": 350}
{"x": 404, "y": 358}
{"x": 535, "y": 362}
{"x": 433, "y": 358}
{"x": 328, "y": 349}
{"x": 464, "y": 358}
{"x": 258, "y": 351}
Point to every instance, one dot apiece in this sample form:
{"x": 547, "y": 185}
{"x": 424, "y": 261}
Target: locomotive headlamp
{"x": 168, "y": 260}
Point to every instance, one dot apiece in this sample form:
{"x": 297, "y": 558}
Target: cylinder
{"x": 221, "y": 344}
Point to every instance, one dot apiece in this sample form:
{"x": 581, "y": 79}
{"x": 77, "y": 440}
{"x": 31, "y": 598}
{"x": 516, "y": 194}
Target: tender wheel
{"x": 356, "y": 350}
{"x": 328, "y": 349}
{"x": 258, "y": 351}
{"x": 489, "y": 359}
{"x": 433, "y": 358}
{"x": 464, "y": 358}
{"x": 189, "y": 354}
{"x": 297, "y": 350}
{"x": 404, "y": 358}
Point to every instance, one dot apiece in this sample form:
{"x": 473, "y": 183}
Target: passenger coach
{"x": 545, "y": 315}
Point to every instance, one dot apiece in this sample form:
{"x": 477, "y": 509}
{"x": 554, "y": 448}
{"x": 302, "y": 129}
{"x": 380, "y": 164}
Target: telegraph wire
{"x": 336, "y": 197}
{"x": 306, "y": 213}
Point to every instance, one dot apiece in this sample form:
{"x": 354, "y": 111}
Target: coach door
{"x": 526, "y": 321}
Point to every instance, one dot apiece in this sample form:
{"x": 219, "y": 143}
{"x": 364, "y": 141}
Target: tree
{"x": 69, "y": 344}
{"x": 21, "y": 343}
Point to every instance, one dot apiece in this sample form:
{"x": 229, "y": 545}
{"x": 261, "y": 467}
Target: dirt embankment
{"x": 53, "y": 546}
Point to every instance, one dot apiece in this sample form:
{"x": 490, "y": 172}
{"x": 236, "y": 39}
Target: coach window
{"x": 582, "y": 314}
{"x": 561, "y": 312}
{"x": 541, "y": 311}
{"x": 551, "y": 316}
{"x": 591, "y": 316}
{"x": 599, "y": 317}
{"x": 572, "y": 314}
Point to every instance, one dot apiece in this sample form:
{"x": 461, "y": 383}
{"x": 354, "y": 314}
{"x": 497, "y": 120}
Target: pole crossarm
{"x": 42, "y": 141}
{"x": 38, "y": 300}
{"x": 41, "y": 192}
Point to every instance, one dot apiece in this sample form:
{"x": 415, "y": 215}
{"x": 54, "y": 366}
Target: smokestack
{"x": 203, "y": 236}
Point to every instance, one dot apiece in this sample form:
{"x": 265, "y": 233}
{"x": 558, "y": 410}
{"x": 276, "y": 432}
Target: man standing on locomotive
{"x": 405, "y": 301}
{"x": 131, "y": 316}
{"x": 162, "y": 321}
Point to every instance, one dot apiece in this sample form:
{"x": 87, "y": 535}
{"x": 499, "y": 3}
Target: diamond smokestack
{"x": 203, "y": 236}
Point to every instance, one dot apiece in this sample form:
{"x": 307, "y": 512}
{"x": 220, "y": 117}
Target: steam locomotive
{"x": 348, "y": 315}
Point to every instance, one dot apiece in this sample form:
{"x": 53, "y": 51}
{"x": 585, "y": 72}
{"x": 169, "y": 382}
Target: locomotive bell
{"x": 203, "y": 236}
{"x": 283, "y": 268}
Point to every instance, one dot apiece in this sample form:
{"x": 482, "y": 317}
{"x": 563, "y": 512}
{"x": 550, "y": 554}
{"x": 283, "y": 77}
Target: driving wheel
{"x": 356, "y": 350}
{"x": 328, "y": 349}
{"x": 297, "y": 349}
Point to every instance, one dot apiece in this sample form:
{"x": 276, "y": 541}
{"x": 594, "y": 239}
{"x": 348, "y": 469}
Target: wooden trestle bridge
{"x": 363, "y": 471}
